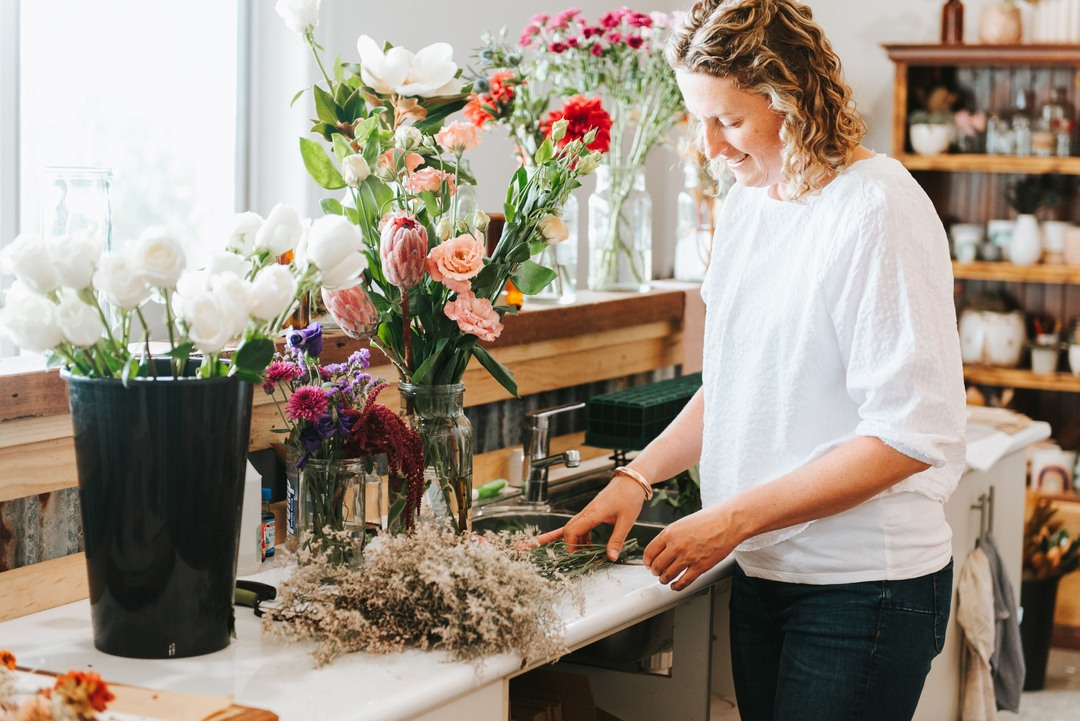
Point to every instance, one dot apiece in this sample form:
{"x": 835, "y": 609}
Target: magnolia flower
{"x": 459, "y": 137}
{"x": 281, "y": 230}
{"x": 475, "y": 316}
{"x": 29, "y": 320}
{"x": 272, "y": 292}
{"x": 27, "y": 260}
{"x": 354, "y": 169}
{"x": 406, "y": 137}
{"x": 120, "y": 279}
{"x": 79, "y": 322}
{"x": 241, "y": 237}
{"x": 403, "y": 247}
{"x": 335, "y": 247}
{"x": 427, "y": 74}
{"x": 159, "y": 258}
{"x": 352, "y": 310}
{"x": 301, "y": 16}
{"x": 455, "y": 261}
{"x": 75, "y": 257}
{"x": 553, "y": 229}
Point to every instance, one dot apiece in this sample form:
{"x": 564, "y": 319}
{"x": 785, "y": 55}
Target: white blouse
{"x": 831, "y": 319}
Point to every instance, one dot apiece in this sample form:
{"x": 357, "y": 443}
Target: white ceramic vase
{"x": 1074, "y": 358}
{"x": 1025, "y": 245}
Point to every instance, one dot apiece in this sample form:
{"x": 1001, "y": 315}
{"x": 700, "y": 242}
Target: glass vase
{"x": 77, "y": 200}
{"x": 330, "y": 516}
{"x": 437, "y": 413}
{"x": 563, "y": 259}
{"x": 620, "y": 231}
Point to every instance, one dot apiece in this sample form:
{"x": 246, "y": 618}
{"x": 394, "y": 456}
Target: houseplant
{"x": 1049, "y": 553}
{"x": 381, "y": 138}
{"x": 161, "y": 426}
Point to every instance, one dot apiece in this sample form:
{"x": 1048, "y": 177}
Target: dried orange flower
{"x": 83, "y": 691}
{"x": 7, "y": 659}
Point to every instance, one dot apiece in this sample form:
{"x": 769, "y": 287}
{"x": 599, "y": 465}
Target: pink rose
{"x": 474, "y": 315}
{"x": 390, "y": 157}
{"x": 430, "y": 179}
{"x": 403, "y": 247}
{"x": 453, "y": 262}
{"x": 459, "y": 137}
{"x": 352, "y": 310}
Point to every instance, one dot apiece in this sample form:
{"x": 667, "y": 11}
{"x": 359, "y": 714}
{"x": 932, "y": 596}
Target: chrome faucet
{"x": 537, "y": 446}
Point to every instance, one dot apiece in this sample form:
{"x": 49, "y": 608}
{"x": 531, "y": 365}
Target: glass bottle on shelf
{"x": 1053, "y": 117}
{"x": 694, "y": 223}
{"x": 952, "y": 22}
{"x": 1021, "y": 124}
{"x": 1057, "y": 114}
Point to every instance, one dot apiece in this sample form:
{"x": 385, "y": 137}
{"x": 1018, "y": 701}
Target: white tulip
{"x": 335, "y": 247}
{"x": 272, "y": 292}
{"x": 79, "y": 322}
{"x": 30, "y": 322}
{"x": 354, "y": 169}
{"x": 281, "y": 230}
{"x": 29, "y": 261}
{"x": 75, "y": 257}
{"x": 120, "y": 279}
{"x": 301, "y": 16}
{"x": 406, "y": 137}
{"x": 553, "y": 229}
{"x": 159, "y": 257}
{"x": 241, "y": 239}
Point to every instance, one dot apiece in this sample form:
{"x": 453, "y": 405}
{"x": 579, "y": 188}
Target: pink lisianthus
{"x": 389, "y": 159}
{"x": 455, "y": 261}
{"x": 459, "y": 137}
{"x": 403, "y": 245}
{"x": 307, "y": 403}
{"x": 430, "y": 179}
{"x": 474, "y": 315}
{"x": 352, "y": 310}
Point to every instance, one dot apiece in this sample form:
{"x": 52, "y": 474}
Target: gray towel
{"x": 1007, "y": 663}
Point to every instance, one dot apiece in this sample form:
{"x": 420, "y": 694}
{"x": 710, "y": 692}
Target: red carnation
{"x": 583, "y": 114}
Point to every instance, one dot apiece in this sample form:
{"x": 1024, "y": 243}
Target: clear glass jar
{"x": 694, "y": 225}
{"x": 77, "y": 200}
{"x": 563, "y": 259}
{"x": 330, "y": 513}
{"x": 437, "y": 413}
{"x": 620, "y": 231}
{"x": 1021, "y": 124}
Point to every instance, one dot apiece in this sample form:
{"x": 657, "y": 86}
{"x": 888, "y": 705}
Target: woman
{"x": 830, "y": 425}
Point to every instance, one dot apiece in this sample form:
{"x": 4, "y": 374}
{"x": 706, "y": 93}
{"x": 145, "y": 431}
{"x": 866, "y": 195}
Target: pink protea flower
{"x": 474, "y": 315}
{"x": 403, "y": 246}
{"x": 279, "y": 371}
{"x": 307, "y": 403}
{"x": 455, "y": 261}
{"x": 352, "y": 310}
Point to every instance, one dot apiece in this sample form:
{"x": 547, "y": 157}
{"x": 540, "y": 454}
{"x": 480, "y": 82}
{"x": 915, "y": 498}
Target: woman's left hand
{"x": 689, "y": 547}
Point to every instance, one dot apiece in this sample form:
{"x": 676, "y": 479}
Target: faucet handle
{"x": 540, "y": 417}
{"x": 573, "y": 458}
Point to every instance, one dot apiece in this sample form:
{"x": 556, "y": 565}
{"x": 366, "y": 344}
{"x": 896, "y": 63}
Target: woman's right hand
{"x": 618, "y": 503}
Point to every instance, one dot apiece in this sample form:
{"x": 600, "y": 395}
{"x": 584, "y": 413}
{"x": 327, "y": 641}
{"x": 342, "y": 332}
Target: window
{"x": 147, "y": 88}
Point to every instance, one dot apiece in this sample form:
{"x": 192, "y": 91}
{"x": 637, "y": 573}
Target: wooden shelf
{"x": 1021, "y": 378}
{"x": 989, "y": 55}
{"x": 984, "y": 163}
{"x": 1009, "y": 273}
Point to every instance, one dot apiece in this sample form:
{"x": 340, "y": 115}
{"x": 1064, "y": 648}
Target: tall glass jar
{"x": 330, "y": 516}
{"x": 437, "y": 413}
{"x": 694, "y": 226}
{"x": 77, "y": 200}
{"x": 620, "y": 231}
{"x": 563, "y": 259}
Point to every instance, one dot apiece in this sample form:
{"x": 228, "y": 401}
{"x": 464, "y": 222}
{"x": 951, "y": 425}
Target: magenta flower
{"x": 307, "y": 403}
{"x": 280, "y": 371}
{"x": 558, "y": 48}
{"x": 403, "y": 245}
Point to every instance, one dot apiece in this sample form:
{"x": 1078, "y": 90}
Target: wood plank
{"x": 1021, "y": 378}
{"x": 1009, "y": 273}
{"x": 934, "y": 54}
{"x": 985, "y": 163}
{"x": 34, "y": 430}
{"x": 31, "y": 394}
{"x": 43, "y": 585}
{"x": 41, "y": 467}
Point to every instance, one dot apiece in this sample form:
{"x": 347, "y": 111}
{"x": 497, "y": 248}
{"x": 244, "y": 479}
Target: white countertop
{"x": 266, "y": 673}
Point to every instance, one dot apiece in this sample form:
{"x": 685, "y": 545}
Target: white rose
{"x": 354, "y": 169}
{"x": 192, "y": 284}
{"x": 121, "y": 281}
{"x": 272, "y": 292}
{"x": 159, "y": 257}
{"x": 281, "y": 230}
{"x": 29, "y": 320}
{"x": 553, "y": 229}
{"x": 234, "y": 294}
{"x": 230, "y": 263}
{"x": 334, "y": 246}
{"x": 75, "y": 257}
{"x": 406, "y": 137}
{"x": 242, "y": 235}
{"x": 78, "y": 321}
{"x": 208, "y": 326}
{"x": 29, "y": 261}
{"x": 301, "y": 16}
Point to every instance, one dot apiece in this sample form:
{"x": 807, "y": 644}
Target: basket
{"x": 629, "y": 419}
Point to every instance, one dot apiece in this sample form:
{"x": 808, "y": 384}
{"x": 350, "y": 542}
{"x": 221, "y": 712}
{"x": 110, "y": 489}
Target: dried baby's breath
{"x": 466, "y": 595}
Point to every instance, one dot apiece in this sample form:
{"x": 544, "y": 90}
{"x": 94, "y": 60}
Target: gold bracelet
{"x": 637, "y": 477}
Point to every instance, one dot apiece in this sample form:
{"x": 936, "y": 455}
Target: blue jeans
{"x": 857, "y": 651}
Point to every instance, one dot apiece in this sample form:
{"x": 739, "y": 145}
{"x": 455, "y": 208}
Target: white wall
{"x": 857, "y": 29}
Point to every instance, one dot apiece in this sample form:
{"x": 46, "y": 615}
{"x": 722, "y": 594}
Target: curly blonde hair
{"x": 774, "y": 48}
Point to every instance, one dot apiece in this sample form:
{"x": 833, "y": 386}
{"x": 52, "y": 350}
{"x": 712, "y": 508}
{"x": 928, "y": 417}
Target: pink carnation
{"x": 459, "y": 137}
{"x": 453, "y": 262}
{"x": 307, "y": 403}
{"x": 475, "y": 316}
{"x": 430, "y": 179}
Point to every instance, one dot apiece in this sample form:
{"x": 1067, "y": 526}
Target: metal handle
{"x": 543, "y": 414}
